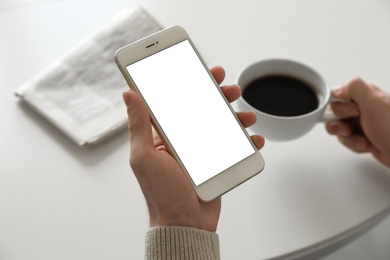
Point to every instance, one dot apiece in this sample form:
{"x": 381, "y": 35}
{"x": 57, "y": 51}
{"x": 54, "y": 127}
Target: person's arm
{"x": 170, "y": 198}
{"x": 364, "y": 125}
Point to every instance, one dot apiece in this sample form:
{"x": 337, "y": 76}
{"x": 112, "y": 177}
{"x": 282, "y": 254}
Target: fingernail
{"x": 337, "y": 91}
{"x": 126, "y": 98}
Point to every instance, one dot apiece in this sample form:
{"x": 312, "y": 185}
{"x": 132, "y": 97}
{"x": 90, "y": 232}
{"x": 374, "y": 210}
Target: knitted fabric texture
{"x": 181, "y": 243}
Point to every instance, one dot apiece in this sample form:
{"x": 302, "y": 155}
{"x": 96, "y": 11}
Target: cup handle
{"x": 329, "y": 115}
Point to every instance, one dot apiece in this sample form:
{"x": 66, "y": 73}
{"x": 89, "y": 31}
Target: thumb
{"x": 140, "y": 131}
{"x": 356, "y": 90}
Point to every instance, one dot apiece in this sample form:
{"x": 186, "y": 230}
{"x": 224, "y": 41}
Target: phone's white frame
{"x": 226, "y": 180}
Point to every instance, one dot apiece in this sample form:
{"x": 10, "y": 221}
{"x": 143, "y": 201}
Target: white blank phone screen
{"x": 191, "y": 111}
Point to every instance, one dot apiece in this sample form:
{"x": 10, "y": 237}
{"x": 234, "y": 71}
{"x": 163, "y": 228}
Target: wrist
{"x": 196, "y": 215}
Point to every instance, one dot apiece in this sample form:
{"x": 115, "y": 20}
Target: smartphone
{"x": 188, "y": 109}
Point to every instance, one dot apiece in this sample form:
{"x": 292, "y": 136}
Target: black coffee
{"x": 281, "y": 96}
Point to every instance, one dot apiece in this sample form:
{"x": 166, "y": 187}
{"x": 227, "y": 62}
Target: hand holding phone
{"x": 167, "y": 72}
{"x": 170, "y": 197}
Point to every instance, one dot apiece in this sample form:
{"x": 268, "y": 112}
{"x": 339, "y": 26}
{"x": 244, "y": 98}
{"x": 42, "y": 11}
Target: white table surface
{"x": 58, "y": 201}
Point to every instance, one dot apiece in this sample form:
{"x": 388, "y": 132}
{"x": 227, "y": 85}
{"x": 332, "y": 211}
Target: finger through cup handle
{"x": 329, "y": 115}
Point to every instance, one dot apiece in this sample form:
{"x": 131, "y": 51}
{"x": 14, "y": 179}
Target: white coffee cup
{"x": 283, "y": 128}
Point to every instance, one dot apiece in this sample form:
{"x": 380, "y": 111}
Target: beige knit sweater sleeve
{"x": 181, "y": 243}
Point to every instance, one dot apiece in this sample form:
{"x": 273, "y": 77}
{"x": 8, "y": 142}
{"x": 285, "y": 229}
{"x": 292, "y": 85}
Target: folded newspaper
{"x": 81, "y": 93}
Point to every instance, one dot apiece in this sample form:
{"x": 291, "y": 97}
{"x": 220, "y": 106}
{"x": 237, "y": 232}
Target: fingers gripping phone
{"x": 190, "y": 112}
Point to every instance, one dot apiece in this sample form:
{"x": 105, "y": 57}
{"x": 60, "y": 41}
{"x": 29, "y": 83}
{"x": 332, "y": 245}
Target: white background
{"x": 61, "y": 202}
